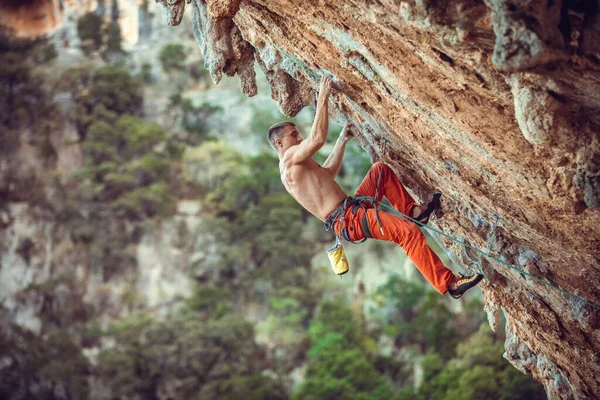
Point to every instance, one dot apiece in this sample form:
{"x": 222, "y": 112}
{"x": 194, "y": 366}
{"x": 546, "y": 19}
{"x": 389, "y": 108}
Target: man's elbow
{"x": 318, "y": 141}
{"x": 318, "y": 134}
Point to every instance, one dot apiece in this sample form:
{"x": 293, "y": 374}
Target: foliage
{"x": 172, "y": 57}
{"x": 211, "y": 301}
{"x": 112, "y": 32}
{"x": 232, "y": 180}
{"x": 337, "y": 366}
{"x": 415, "y": 314}
{"x": 116, "y": 90}
{"x": 25, "y": 103}
{"x": 62, "y": 300}
{"x": 334, "y": 318}
{"x": 124, "y": 171}
{"x": 189, "y": 357}
{"x": 258, "y": 228}
{"x": 194, "y": 119}
{"x": 42, "y": 368}
{"x": 478, "y": 373}
{"x": 89, "y": 30}
{"x": 145, "y": 75}
{"x": 355, "y": 166}
{"x": 101, "y": 95}
{"x": 45, "y": 52}
{"x": 263, "y": 119}
{"x": 28, "y": 116}
{"x": 124, "y": 181}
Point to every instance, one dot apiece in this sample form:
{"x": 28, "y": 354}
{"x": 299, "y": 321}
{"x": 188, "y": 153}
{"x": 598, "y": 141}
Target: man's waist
{"x": 339, "y": 210}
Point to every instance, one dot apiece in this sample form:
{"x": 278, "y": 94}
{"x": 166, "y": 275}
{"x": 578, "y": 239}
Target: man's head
{"x": 283, "y": 135}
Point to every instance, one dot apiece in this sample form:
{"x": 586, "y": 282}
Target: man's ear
{"x": 278, "y": 142}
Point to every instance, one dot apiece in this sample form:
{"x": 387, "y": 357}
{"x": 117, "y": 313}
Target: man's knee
{"x": 380, "y": 167}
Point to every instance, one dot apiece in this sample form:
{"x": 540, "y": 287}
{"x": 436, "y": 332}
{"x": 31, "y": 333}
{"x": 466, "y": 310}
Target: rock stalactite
{"x": 223, "y": 48}
{"x": 494, "y": 103}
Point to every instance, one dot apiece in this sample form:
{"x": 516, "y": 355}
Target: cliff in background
{"x": 494, "y": 103}
{"x": 39, "y": 17}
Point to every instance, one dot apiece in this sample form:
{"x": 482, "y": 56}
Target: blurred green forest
{"x": 133, "y": 174}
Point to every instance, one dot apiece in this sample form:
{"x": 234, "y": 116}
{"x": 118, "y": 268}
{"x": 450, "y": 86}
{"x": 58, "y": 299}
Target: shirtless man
{"x": 314, "y": 187}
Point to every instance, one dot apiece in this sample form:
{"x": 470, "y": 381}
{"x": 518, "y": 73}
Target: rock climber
{"x": 314, "y": 187}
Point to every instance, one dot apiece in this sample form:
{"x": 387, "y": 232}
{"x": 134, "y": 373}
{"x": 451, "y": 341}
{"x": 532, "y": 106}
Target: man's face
{"x": 291, "y": 137}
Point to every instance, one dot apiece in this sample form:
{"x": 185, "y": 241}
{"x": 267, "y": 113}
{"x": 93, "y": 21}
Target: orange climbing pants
{"x": 360, "y": 222}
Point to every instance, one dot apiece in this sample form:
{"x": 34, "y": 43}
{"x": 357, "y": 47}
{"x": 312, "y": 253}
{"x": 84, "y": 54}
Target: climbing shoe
{"x": 433, "y": 205}
{"x": 463, "y": 284}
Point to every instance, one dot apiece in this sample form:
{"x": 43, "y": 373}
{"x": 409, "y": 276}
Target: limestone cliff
{"x": 39, "y": 17}
{"x": 493, "y": 102}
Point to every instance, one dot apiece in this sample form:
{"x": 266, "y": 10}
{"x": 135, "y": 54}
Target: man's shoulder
{"x": 287, "y": 161}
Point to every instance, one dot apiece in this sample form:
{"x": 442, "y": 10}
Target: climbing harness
{"x": 372, "y": 200}
{"x": 336, "y": 254}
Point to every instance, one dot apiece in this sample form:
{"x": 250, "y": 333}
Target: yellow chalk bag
{"x": 337, "y": 258}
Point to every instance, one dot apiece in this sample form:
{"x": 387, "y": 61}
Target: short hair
{"x": 276, "y": 132}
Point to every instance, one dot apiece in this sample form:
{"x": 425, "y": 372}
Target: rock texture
{"x": 31, "y": 18}
{"x": 35, "y": 18}
{"x": 493, "y": 102}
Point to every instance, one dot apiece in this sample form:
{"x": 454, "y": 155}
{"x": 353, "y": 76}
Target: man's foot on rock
{"x": 464, "y": 283}
{"x": 433, "y": 205}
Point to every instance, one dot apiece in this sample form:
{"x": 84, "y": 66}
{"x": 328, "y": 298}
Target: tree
{"x": 125, "y": 180}
{"x": 35, "y": 367}
{"x": 189, "y": 356}
{"x": 145, "y": 74}
{"x": 89, "y": 30}
{"x": 172, "y": 57}
{"x": 337, "y": 368}
{"x": 116, "y": 90}
{"x": 112, "y": 32}
{"x": 124, "y": 171}
{"x": 194, "y": 119}
{"x": 477, "y": 373}
{"x": 415, "y": 315}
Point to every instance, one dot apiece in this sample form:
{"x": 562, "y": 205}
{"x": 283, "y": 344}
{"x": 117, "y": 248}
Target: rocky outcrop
{"x": 31, "y": 18}
{"x": 41, "y": 17}
{"x": 494, "y": 103}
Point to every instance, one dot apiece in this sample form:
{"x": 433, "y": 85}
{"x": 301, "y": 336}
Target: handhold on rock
{"x": 335, "y": 84}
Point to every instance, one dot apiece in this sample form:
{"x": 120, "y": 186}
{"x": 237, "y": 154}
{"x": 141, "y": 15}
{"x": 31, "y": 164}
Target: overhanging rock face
{"x": 495, "y": 103}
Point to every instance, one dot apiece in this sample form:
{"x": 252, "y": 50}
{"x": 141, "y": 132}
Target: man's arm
{"x": 318, "y": 133}
{"x": 334, "y": 161}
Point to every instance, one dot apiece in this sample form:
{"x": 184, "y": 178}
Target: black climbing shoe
{"x": 464, "y": 283}
{"x": 433, "y": 205}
